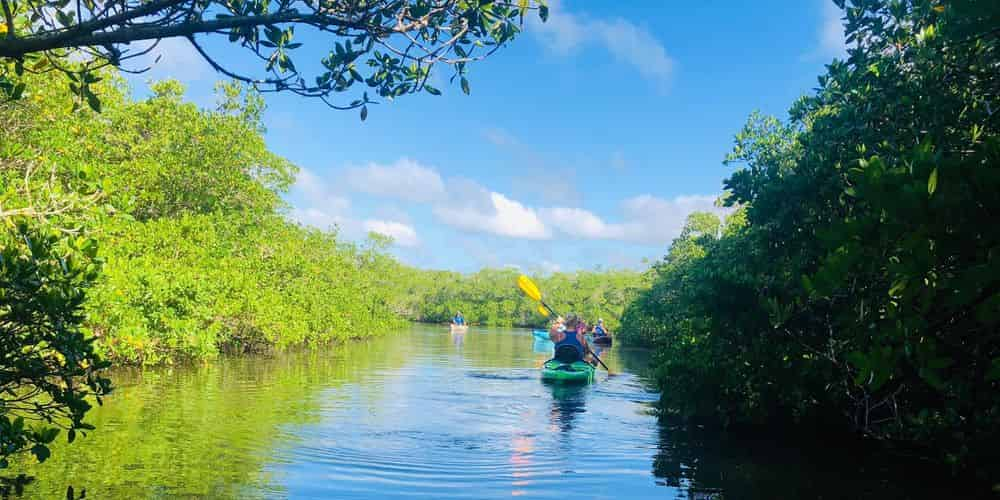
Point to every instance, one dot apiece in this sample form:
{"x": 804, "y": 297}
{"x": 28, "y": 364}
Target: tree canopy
{"x": 859, "y": 276}
{"x": 371, "y": 49}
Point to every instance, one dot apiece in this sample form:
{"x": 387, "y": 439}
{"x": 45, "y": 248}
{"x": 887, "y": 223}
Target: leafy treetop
{"x": 386, "y": 47}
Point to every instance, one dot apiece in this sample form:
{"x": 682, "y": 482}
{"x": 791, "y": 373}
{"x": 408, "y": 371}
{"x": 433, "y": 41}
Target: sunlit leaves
{"x": 389, "y": 47}
{"x": 864, "y": 281}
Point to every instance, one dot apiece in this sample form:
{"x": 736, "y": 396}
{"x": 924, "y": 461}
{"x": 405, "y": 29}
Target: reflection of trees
{"x": 712, "y": 465}
{"x": 206, "y": 430}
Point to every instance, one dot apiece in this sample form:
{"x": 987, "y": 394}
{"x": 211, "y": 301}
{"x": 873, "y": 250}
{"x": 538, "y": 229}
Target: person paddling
{"x": 570, "y": 341}
{"x": 599, "y": 331}
{"x": 458, "y": 320}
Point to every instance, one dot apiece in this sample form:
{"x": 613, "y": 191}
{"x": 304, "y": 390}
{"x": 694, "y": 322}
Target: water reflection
{"x": 434, "y": 415}
{"x": 709, "y": 464}
{"x": 568, "y": 402}
{"x": 542, "y": 346}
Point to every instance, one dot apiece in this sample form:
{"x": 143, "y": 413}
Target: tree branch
{"x": 76, "y": 38}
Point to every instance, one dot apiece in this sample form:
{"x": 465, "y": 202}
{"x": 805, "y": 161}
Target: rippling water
{"x": 421, "y": 412}
{"x": 449, "y": 424}
{"x": 425, "y": 413}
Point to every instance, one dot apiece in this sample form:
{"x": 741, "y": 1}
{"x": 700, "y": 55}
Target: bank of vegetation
{"x": 857, "y": 283}
{"x": 154, "y": 232}
{"x": 489, "y": 297}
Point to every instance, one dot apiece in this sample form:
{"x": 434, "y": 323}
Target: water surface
{"x": 426, "y": 413}
{"x": 421, "y": 412}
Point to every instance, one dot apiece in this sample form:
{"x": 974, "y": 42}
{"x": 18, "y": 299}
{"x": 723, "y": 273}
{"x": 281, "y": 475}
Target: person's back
{"x": 599, "y": 330}
{"x": 458, "y": 319}
{"x": 570, "y": 344}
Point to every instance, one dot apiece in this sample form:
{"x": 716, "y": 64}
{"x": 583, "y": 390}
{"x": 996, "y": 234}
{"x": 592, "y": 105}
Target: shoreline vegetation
{"x": 176, "y": 213}
{"x": 852, "y": 287}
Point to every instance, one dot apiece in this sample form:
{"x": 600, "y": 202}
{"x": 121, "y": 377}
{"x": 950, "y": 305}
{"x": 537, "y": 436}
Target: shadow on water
{"x": 714, "y": 465}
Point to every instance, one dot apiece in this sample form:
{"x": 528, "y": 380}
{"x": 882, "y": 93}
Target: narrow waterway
{"x": 420, "y": 412}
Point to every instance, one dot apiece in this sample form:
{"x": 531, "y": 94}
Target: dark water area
{"x": 430, "y": 414}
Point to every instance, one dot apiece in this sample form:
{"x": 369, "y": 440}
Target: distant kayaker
{"x": 569, "y": 339}
{"x": 599, "y": 330}
{"x": 458, "y": 320}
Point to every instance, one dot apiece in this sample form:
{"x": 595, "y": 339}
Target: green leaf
{"x": 364, "y": 113}
{"x": 543, "y": 13}
{"x": 431, "y": 90}
{"x": 92, "y": 100}
{"x": 465, "y": 85}
{"x": 994, "y": 372}
{"x": 41, "y": 452}
{"x": 932, "y": 182}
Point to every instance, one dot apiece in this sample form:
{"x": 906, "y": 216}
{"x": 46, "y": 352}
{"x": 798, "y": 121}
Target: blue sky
{"x": 584, "y": 144}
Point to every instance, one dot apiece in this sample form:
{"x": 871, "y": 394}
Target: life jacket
{"x": 599, "y": 331}
{"x": 569, "y": 349}
{"x": 459, "y": 320}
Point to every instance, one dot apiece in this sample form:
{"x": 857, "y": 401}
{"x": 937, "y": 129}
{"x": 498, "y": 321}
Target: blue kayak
{"x": 541, "y": 334}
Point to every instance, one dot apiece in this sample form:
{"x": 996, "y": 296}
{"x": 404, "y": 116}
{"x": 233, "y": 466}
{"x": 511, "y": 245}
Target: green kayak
{"x": 557, "y": 371}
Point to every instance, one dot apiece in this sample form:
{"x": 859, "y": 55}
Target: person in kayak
{"x": 458, "y": 320}
{"x": 570, "y": 341}
{"x": 599, "y": 330}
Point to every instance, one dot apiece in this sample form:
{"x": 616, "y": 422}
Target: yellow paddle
{"x": 543, "y": 311}
{"x": 531, "y": 290}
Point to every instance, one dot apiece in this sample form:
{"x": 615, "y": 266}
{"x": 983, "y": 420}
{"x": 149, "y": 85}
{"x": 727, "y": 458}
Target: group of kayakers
{"x": 569, "y": 335}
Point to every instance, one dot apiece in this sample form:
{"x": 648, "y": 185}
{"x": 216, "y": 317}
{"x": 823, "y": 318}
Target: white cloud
{"x": 656, "y": 220}
{"x": 324, "y": 208}
{"x": 405, "y": 180}
{"x": 637, "y": 47}
{"x": 316, "y": 218}
{"x": 646, "y": 219}
{"x": 565, "y": 32}
{"x": 580, "y": 222}
{"x": 402, "y": 234}
{"x": 830, "y": 39}
{"x": 502, "y": 216}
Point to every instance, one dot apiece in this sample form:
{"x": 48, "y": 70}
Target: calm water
{"x": 421, "y": 413}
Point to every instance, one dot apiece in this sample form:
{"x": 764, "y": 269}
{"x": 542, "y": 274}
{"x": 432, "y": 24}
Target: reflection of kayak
{"x": 542, "y": 346}
{"x": 459, "y": 328}
{"x": 602, "y": 340}
{"x": 557, "y": 371}
{"x": 541, "y": 334}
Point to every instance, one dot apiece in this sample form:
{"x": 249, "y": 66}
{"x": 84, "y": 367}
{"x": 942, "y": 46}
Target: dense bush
{"x": 864, "y": 285}
{"x": 198, "y": 257}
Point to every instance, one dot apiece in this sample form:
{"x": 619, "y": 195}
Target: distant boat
{"x": 459, "y": 328}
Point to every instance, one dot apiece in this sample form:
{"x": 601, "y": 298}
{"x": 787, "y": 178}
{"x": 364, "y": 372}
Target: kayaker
{"x": 570, "y": 341}
{"x": 599, "y": 330}
{"x": 458, "y": 320}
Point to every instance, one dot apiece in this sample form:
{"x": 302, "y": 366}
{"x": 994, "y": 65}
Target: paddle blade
{"x": 529, "y": 288}
{"x": 543, "y": 311}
